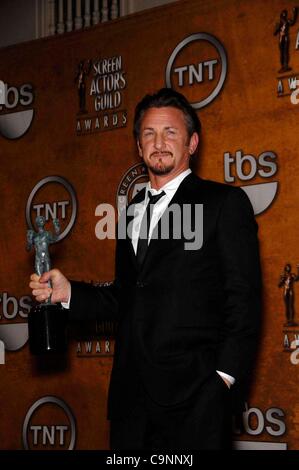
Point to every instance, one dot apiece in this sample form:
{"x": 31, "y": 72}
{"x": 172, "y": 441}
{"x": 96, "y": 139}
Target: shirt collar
{"x": 170, "y": 187}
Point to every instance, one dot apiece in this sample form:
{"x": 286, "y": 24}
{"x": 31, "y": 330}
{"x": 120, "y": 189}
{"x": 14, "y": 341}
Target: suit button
{"x": 140, "y": 284}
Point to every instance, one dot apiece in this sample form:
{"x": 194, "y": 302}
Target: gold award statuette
{"x": 46, "y": 321}
{"x": 287, "y": 280}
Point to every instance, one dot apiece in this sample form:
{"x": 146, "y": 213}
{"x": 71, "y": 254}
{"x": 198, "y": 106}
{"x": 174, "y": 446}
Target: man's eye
{"x": 170, "y": 132}
{"x": 147, "y": 133}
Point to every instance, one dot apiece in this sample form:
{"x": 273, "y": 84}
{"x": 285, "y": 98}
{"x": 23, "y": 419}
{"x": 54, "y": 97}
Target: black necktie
{"x": 145, "y": 225}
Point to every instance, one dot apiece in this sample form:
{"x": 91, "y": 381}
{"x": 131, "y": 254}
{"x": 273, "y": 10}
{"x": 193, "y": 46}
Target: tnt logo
{"x": 49, "y": 425}
{"x": 197, "y": 67}
{"x": 52, "y": 211}
{"x": 53, "y": 198}
{"x": 196, "y": 73}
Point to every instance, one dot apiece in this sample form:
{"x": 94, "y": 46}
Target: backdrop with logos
{"x": 66, "y": 147}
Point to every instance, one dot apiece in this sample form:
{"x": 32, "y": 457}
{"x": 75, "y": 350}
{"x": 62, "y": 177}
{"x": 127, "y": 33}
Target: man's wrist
{"x": 67, "y": 301}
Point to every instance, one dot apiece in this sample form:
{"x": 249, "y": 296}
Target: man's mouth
{"x": 161, "y": 154}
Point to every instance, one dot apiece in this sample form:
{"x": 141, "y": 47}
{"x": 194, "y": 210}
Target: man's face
{"x": 164, "y": 143}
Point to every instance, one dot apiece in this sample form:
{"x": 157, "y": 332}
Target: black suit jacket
{"x": 184, "y": 313}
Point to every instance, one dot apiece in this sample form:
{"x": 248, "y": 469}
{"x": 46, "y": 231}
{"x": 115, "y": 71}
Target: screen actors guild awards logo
{"x": 287, "y": 280}
{"x": 101, "y": 86}
{"x": 291, "y": 334}
{"x": 282, "y": 30}
{"x": 135, "y": 179}
{"x": 287, "y": 79}
{"x": 83, "y": 71}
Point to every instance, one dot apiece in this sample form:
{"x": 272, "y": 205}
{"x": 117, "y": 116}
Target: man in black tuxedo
{"x": 186, "y": 294}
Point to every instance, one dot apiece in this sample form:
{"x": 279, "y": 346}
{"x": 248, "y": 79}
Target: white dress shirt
{"x": 170, "y": 189}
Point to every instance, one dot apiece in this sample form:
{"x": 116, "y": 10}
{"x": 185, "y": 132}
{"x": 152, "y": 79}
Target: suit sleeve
{"x": 90, "y": 302}
{"x": 241, "y": 277}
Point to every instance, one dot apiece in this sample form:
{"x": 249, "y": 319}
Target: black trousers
{"x": 203, "y": 422}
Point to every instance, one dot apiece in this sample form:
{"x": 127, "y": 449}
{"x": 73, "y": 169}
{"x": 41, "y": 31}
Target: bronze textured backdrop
{"x": 81, "y": 132}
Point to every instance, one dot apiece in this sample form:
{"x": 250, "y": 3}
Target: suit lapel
{"x": 183, "y": 195}
{"x": 130, "y": 216}
{"x": 157, "y": 247}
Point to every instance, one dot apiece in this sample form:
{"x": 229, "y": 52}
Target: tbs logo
{"x": 15, "y": 121}
{"x": 13, "y": 336}
{"x": 245, "y": 168}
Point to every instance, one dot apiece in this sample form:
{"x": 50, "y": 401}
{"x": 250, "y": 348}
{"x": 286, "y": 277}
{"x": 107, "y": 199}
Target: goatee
{"x": 160, "y": 168}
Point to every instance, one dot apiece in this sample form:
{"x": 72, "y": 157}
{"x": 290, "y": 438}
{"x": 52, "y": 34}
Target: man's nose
{"x": 159, "y": 142}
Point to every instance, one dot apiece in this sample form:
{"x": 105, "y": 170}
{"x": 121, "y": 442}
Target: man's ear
{"x": 194, "y": 140}
{"x": 139, "y": 149}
